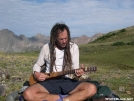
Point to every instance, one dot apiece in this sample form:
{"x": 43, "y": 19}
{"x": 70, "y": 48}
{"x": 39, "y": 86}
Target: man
{"x": 59, "y": 55}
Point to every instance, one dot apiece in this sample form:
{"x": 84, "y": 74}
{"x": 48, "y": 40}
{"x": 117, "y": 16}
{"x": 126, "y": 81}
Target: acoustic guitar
{"x": 33, "y": 80}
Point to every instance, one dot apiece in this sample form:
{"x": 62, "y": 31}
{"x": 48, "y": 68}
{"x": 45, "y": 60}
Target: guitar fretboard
{"x": 86, "y": 69}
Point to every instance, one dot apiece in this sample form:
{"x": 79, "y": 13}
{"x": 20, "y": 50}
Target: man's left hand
{"x": 79, "y": 72}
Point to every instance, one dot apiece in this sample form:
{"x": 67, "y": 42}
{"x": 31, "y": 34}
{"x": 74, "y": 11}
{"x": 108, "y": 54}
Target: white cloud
{"x": 82, "y": 16}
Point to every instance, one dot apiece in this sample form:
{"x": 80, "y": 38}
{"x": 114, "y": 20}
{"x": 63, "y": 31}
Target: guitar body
{"x": 32, "y": 80}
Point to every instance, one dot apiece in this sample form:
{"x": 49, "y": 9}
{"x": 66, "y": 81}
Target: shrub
{"x": 106, "y": 36}
{"x": 118, "y": 44}
{"x": 130, "y": 43}
{"x": 122, "y": 30}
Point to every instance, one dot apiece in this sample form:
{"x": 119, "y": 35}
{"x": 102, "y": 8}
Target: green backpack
{"x": 103, "y": 93}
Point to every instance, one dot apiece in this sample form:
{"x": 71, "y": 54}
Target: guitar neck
{"x": 69, "y": 72}
{"x": 55, "y": 74}
{"x": 86, "y": 69}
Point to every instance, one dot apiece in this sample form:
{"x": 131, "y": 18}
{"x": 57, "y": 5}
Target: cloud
{"x": 87, "y": 17}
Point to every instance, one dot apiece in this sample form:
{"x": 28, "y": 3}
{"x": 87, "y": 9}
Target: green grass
{"x": 115, "y": 65}
{"x": 108, "y": 54}
{"x": 17, "y": 64}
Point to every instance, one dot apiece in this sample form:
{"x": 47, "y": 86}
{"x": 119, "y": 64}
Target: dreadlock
{"x": 54, "y": 35}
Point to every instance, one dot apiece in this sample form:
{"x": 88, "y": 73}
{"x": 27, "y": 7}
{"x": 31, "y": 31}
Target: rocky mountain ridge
{"x": 9, "y": 42}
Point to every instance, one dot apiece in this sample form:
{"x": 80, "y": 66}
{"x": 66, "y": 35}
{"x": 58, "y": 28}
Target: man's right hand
{"x": 40, "y": 76}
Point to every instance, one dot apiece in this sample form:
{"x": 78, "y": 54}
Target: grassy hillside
{"x": 112, "y": 54}
{"x": 125, "y": 35}
{"x": 115, "y": 66}
{"x": 18, "y": 65}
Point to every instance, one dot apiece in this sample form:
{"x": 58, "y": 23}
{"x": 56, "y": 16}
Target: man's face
{"x": 62, "y": 39}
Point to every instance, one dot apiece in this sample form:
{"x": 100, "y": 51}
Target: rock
{"x": 128, "y": 92}
{"x": 2, "y": 90}
{"x": 3, "y": 76}
{"x": 7, "y": 76}
{"x": 16, "y": 79}
{"x": 121, "y": 89}
{"x": 3, "y": 82}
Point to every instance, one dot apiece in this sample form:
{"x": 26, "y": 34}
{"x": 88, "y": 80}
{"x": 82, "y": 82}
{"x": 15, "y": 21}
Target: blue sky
{"x": 84, "y": 17}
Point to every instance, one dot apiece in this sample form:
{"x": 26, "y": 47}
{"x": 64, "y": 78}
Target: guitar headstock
{"x": 91, "y": 69}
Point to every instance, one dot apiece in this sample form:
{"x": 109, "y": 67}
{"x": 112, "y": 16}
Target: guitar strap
{"x": 43, "y": 67}
{"x": 64, "y": 67}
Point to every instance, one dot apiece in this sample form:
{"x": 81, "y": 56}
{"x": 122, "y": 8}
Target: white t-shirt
{"x": 59, "y": 60}
{"x": 44, "y": 56}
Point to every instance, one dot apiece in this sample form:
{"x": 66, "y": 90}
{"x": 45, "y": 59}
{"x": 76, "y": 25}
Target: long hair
{"x": 53, "y": 37}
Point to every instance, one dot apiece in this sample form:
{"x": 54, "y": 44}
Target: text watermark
{"x": 116, "y": 99}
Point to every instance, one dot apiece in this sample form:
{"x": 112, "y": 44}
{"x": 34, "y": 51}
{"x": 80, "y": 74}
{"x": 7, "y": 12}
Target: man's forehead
{"x": 60, "y": 30}
{"x": 63, "y": 34}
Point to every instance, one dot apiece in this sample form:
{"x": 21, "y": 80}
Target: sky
{"x": 83, "y": 17}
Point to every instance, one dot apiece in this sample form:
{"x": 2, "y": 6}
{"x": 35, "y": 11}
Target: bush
{"x": 118, "y": 44}
{"x": 130, "y": 43}
{"x": 106, "y": 36}
{"x": 122, "y": 30}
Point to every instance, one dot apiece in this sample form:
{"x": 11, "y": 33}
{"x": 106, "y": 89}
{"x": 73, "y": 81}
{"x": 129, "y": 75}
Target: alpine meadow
{"x": 112, "y": 54}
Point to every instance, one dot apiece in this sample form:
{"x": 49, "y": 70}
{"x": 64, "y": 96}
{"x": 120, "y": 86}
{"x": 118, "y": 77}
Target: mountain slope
{"x": 85, "y": 39}
{"x": 9, "y": 42}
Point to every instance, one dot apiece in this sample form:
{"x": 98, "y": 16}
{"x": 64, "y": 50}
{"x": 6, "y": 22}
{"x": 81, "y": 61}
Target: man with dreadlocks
{"x": 59, "y": 55}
